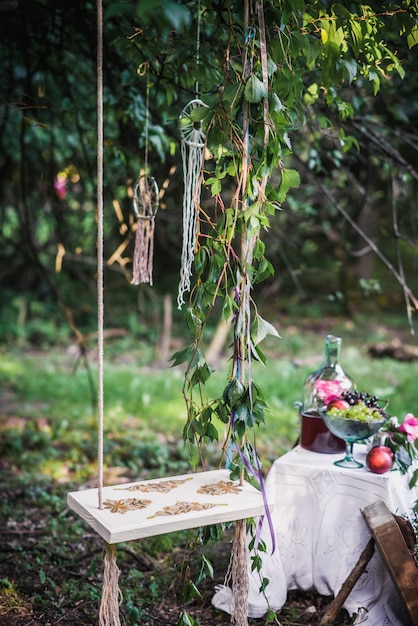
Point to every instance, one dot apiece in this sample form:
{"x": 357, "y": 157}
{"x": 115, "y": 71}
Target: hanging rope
{"x": 111, "y": 595}
{"x": 100, "y": 248}
{"x": 237, "y": 575}
{"x": 109, "y": 606}
{"x": 197, "y": 46}
{"x": 143, "y": 69}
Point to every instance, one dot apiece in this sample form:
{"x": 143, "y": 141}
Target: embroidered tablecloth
{"x": 320, "y": 533}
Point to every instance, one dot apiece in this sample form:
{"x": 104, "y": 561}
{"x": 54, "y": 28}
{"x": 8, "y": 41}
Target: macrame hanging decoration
{"x": 192, "y": 151}
{"x": 145, "y": 206}
{"x": 193, "y": 140}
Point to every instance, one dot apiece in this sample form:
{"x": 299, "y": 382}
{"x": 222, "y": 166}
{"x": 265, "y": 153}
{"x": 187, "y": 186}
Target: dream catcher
{"x": 193, "y": 140}
{"x": 145, "y": 207}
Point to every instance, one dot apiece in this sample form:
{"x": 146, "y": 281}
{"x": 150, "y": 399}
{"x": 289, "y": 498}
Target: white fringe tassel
{"x": 192, "y": 151}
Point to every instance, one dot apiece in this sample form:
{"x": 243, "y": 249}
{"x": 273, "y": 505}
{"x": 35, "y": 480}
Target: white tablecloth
{"x": 320, "y": 533}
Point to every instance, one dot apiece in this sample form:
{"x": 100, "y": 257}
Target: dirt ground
{"x": 43, "y": 582}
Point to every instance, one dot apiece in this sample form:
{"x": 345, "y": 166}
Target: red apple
{"x": 379, "y": 459}
{"x": 337, "y": 403}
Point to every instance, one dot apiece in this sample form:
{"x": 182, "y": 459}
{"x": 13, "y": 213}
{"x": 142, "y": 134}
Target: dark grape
{"x": 354, "y": 397}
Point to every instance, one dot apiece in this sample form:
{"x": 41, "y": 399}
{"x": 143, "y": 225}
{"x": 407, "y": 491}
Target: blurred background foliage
{"x": 48, "y": 154}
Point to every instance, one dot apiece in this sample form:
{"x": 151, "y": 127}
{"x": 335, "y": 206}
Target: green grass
{"x": 54, "y": 394}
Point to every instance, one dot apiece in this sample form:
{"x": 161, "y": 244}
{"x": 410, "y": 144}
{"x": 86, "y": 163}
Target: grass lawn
{"x": 49, "y": 400}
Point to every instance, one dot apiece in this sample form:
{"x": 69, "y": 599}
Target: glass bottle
{"x": 320, "y": 387}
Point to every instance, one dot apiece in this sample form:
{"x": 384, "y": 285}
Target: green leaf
{"x": 190, "y": 591}
{"x": 356, "y": 34}
{"x": 260, "y": 328}
{"x": 257, "y": 563}
{"x": 264, "y": 270}
{"x": 271, "y": 66}
{"x": 194, "y": 454}
{"x": 290, "y": 178}
{"x": 258, "y": 354}
{"x": 270, "y": 616}
{"x": 286, "y": 140}
{"x": 201, "y": 259}
{"x": 215, "y": 186}
{"x": 277, "y": 103}
{"x": 211, "y": 432}
{"x": 233, "y": 392}
{"x": 311, "y": 95}
{"x": 185, "y": 619}
{"x": 198, "y": 114}
{"x": 183, "y": 356}
{"x": 194, "y": 320}
{"x": 414, "y": 479}
{"x": 222, "y": 412}
{"x": 330, "y": 63}
{"x": 229, "y": 306}
{"x": 235, "y": 472}
{"x": 244, "y": 415}
{"x": 412, "y": 38}
{"x": 197, "y": 427}
{"x": 351, "y": 67}
{"x": 201, "y": 374}
{"x": 254, "y": 90}
{"x": 259, "y": 249}
{"x": 215, "y": 266}
{"x": 347, "y": 141}
{"x": 206, "y": 569}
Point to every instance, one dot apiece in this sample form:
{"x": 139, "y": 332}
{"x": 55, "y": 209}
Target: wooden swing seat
{"x": 154, "y": 507}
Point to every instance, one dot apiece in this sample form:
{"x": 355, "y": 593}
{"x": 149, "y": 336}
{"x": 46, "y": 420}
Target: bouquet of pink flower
{"x": 402, "y": 439}
{"x": 410, "y": 427}
{"x": 327, "y": 390}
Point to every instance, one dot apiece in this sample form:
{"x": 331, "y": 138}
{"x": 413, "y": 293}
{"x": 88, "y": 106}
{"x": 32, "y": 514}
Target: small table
{"x": 320, "y": 534}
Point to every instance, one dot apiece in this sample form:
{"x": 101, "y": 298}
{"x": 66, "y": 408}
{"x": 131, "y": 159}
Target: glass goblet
{"x": 351, "y": 430}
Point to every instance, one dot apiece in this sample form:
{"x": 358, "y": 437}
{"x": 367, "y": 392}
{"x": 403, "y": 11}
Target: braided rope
{"x": 100, "y": 248}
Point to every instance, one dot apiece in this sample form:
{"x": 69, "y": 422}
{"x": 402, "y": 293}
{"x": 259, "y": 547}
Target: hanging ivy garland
{"x": 227, "y": 261}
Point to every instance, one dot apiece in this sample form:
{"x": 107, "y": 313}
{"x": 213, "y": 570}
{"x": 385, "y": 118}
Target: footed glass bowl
{"x": 351, "y": 430}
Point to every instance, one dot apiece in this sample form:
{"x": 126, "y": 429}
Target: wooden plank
{"x": 395, "y": 554}
{"x": 154, "y": 507}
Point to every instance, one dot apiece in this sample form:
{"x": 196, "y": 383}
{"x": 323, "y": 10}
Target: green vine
{"x": 273, "y": 78}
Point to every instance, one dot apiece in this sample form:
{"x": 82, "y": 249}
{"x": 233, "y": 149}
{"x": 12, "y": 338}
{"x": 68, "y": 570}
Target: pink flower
{"x": 410, "y": 427}
{"x": 327, "y": 390}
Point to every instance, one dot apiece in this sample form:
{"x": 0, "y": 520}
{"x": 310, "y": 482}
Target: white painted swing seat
{"x": 154, "y": 507}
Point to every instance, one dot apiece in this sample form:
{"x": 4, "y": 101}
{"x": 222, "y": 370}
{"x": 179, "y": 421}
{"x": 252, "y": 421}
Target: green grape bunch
{"x": 358, "y": 405}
